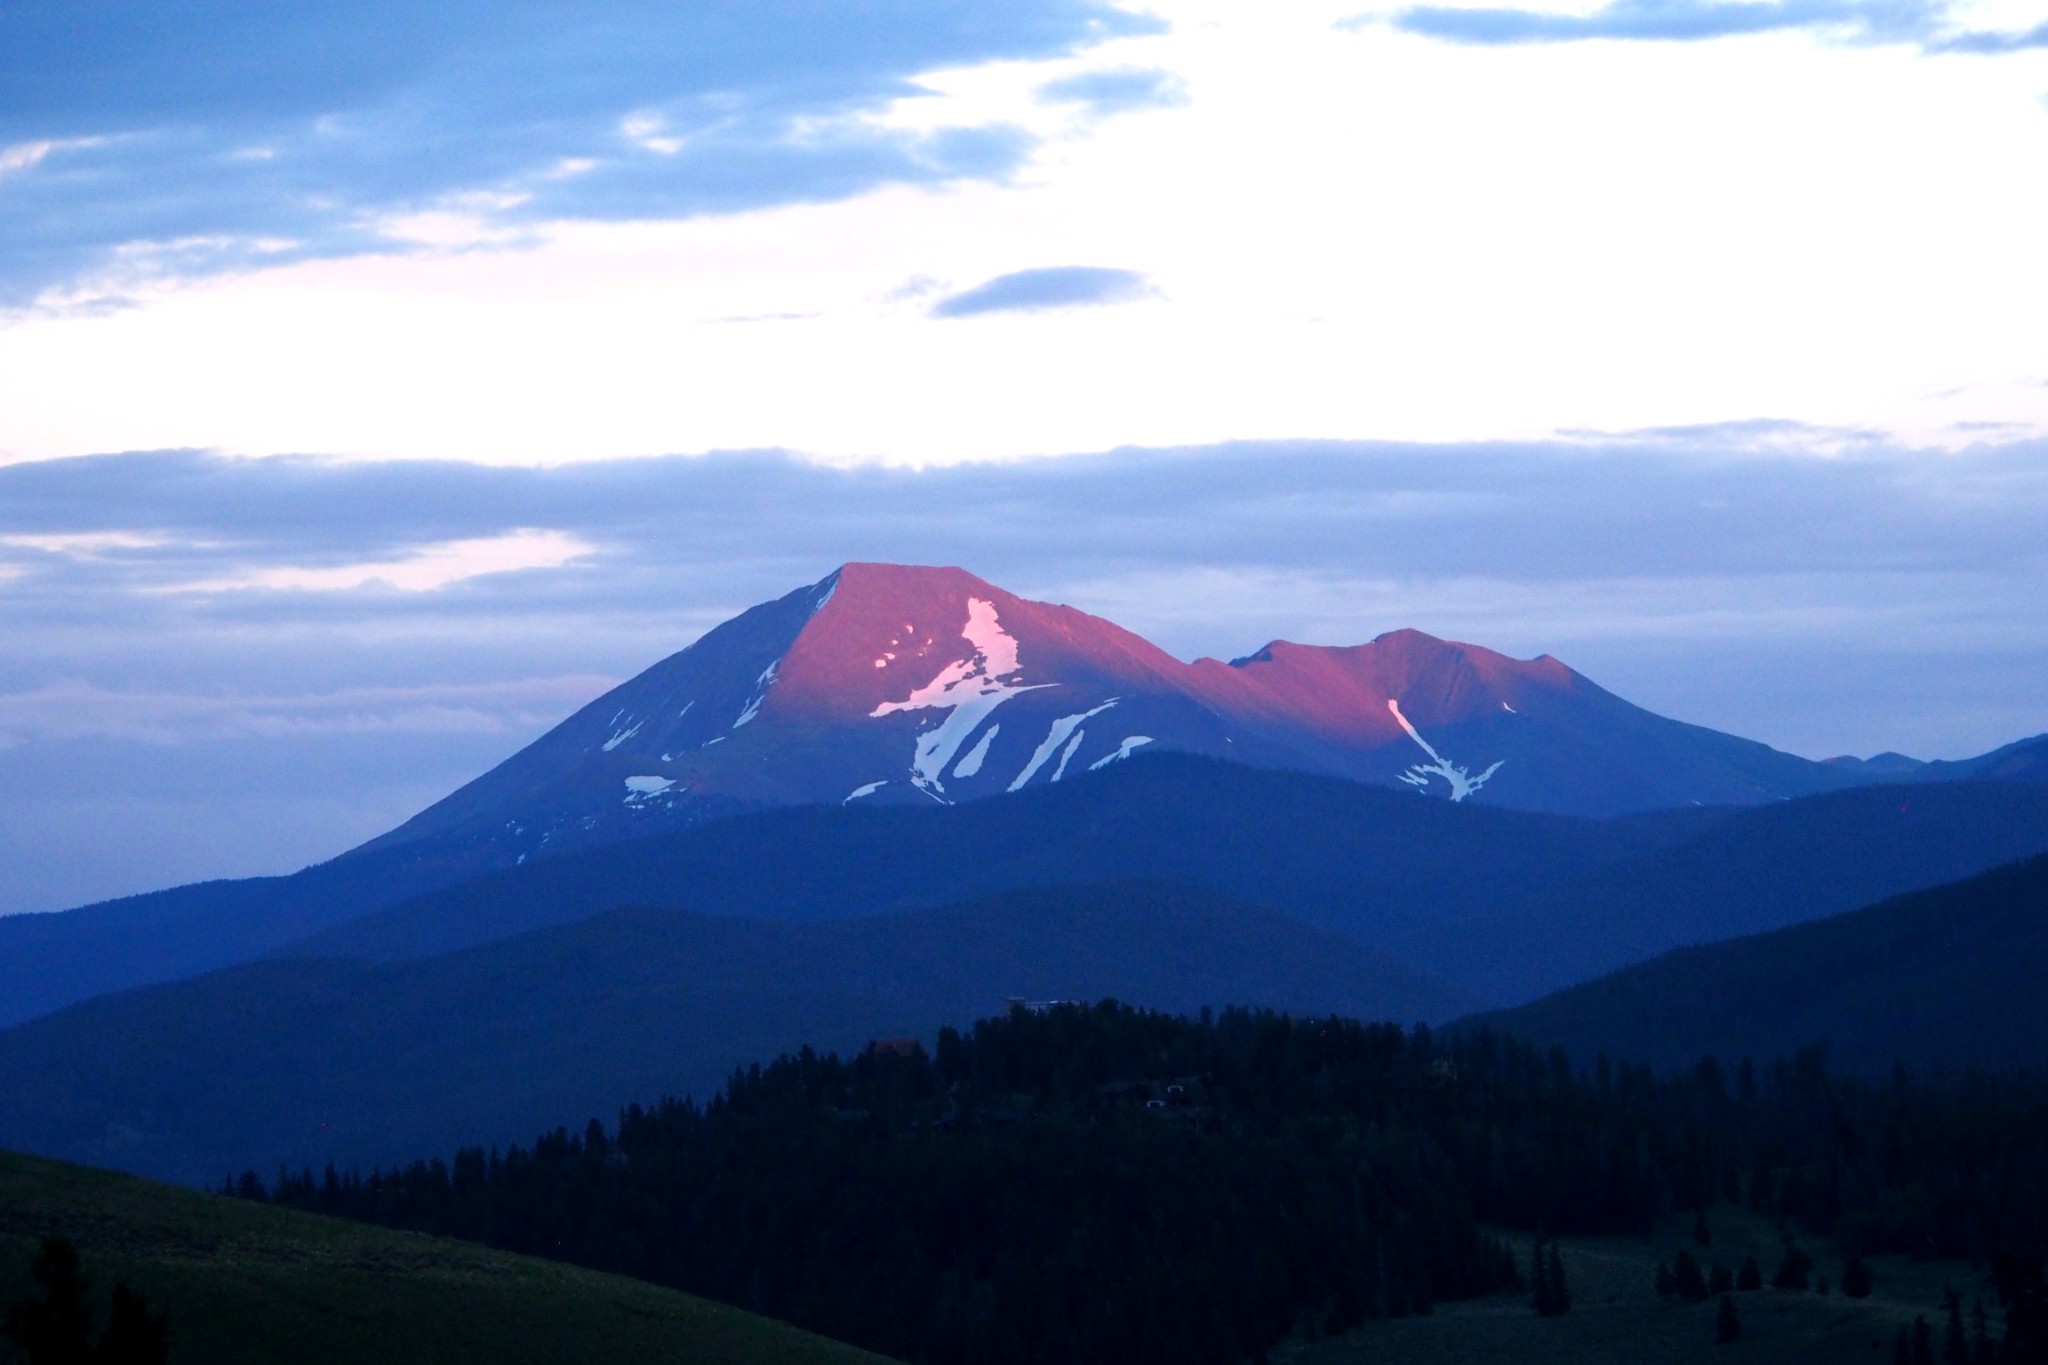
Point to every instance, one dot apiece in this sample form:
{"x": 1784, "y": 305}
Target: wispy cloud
{"x": 1047, "y": 287}
{"x": 1117, "y": 91}
{"x": 422, "y": 570}
{"x": 1926, "y": 23}
{"x": 249, "y": 134}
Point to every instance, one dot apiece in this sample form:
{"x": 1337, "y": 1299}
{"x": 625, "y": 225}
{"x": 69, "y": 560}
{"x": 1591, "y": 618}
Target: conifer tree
{"x": 1923, "y": 1341}
{"x": 55, "y": 1328}
{"x": 1666, "y": 1286}
{"x": 1702, "y": 1235}
{"x": 1550, "y": 1298}
{"x": 1955, "y": 1346}
{"x": 1719, "y": 1280}
{"x": 1686, "y": 1279}
{"x": 134, "y": 1335}
{"x": 1750, "y": 1276}
{"x": 1857, "y": 1278}
{"x": 1795, "y": 1271}
{"x": 1727, "y": 1326}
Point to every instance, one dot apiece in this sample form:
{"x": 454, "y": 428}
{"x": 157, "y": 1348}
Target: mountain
{"x": 1363, "y": 860}
{"x": 1757, "y": 870}
{"x": 883, "y": 683}
{"x": 48, "y": 961}
{"x": 924, "y": 687}
{"x": 305, "y": 1062}
{"x": 1504, "y": 905}
{"x": 1944, "y": 980}
{"x": 246, "y": 1284}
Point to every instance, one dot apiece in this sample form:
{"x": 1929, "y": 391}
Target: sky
{"x": 379, "y": 382}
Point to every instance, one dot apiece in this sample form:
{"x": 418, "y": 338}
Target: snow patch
{"x": 1067, "y": 754}
{"x": 1463, "y": 784}
{"x": 1123, "y": 751}
{"x": 622, "y": 736}
{"x": 869, "y": 790}
{"x": 1509, "y": 709}
{"x": 761, "y": 686}
{"x": 831, "y": 587}
{"x": 970, "y": 765}
{"x": 1054, "y": 738}
{"x": 639, "y": 789}
{"x": 967, "y": 690}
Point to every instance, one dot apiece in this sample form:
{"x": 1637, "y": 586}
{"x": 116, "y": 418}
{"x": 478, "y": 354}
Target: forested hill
{"x": 1099, "y": 1184}
{"x": 1948, "y": 979}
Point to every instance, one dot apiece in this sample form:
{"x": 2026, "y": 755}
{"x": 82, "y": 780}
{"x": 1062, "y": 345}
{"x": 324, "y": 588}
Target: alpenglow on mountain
{"x": 885, "y": 683}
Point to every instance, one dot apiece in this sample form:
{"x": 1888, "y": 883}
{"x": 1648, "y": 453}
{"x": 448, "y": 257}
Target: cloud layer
{"x": 190, "y": 634}
{"x": 164, "y": 135}
{"x": 1928, "y": 24}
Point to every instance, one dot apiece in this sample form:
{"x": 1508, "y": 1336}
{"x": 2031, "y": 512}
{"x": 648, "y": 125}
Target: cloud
{"x": 1922, "y": 22}
{"x": 1117, "y": 91}
{"x": 1065, "y": 286}
{"x": 174, "y": 138}
{"x": 424, "y": 569}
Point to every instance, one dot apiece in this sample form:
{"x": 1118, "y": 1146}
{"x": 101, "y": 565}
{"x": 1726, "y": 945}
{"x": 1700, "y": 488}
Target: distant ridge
{"x": 888, "y": 685}
{"x": 1943, "y": 981}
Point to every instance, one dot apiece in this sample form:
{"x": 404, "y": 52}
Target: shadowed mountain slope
{"x": 888, "y": 684}
{"x": 1506, "y": 905}
{"x": 306, "y": 1062}
{"x": 1945, "y": 979}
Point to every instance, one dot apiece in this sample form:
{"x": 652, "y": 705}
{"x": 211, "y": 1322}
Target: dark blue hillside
{"x": 1367, "y": 860}
{"x": 305, "y": 1062}
{"x": 1950, "y": 979}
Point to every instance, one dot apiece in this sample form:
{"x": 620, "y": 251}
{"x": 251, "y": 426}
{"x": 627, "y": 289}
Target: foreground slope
{"x": 1945, "y": 979}
{"x": 306, "y": 1062}
{"x": 246, "y": 1283}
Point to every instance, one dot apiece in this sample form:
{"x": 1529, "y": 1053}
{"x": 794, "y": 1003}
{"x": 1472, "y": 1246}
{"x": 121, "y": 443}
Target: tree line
{"x": 1103, "y": 1183}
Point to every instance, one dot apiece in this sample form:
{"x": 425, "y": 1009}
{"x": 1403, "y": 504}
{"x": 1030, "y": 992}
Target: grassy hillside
{"x": 247, "y": 1283}
{"x": 1943, "y": 980}
{"x": 1618, "y": 1319}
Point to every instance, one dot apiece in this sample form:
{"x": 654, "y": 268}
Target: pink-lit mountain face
{"x": 884, "y": 683}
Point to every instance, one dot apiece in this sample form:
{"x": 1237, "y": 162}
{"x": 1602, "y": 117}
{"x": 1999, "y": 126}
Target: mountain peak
{"x": 893, "y": 682}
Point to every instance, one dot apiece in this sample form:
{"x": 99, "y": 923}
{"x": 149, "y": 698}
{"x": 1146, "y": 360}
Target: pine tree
{"x": 1750, "y": 1276}
{"x": 1857, "y": 1278}
{"x": 1719, "y": 1280}
{"x": 1666, "y": 1286}
{"x": 1923, "y": 1341}
{"x": 1795, "y": 1271}
{"x": 1550, "y": 1298}
{"x": 1727, "y": 1326}
{"x": 1955, "y": 1346}
{"x": 1902, "y": 1349}
{"x": 1686, "y": 1279}
{"x": 1702, "y": 1235}
{"x": 1980, "y": 1336}
{"x": 55, "y": 1329}
{"x": 134, "y": 1335}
